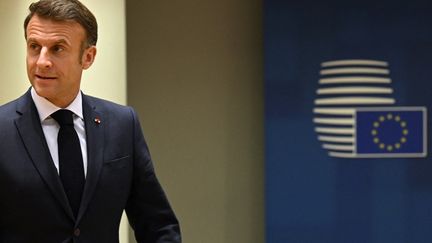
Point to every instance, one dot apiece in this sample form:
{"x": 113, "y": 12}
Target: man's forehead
{"x": 48, "y": 24}
{"x": 54, "y": 37}
{"x": 48, "y": 28}
{"x": 54, "y": 40}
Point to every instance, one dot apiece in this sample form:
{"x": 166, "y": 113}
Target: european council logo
{"x": 356, "y": 116}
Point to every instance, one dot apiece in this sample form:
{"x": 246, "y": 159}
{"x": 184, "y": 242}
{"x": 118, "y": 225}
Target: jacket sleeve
{"x": 149, "y": 212}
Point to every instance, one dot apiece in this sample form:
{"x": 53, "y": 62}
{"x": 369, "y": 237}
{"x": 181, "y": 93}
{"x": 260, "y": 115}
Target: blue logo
{"x": 355, "y": 116}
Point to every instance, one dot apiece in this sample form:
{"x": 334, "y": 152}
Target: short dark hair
{"x": 65, "y": 10}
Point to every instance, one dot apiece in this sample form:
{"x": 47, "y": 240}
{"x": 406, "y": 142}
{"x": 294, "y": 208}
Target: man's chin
{"x": 45, "y": 92}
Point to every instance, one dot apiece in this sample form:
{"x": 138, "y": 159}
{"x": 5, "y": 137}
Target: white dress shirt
{"x": 51, "y": 128}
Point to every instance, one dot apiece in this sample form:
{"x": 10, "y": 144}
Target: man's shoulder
{"x": 10, "y": 107}
{"x": 107, "y": 106}
{"x": 118, "y": 115}
{"x": 12, "y": 110}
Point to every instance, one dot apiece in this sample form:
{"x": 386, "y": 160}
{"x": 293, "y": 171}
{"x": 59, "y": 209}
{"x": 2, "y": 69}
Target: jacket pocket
{"x": 120, "y": 162}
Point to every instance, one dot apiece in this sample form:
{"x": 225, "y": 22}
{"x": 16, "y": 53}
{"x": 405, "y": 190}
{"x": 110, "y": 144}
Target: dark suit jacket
{"x": 120, "y": 175}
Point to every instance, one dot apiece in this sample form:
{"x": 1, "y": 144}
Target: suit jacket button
{"x": 77, "y": 232}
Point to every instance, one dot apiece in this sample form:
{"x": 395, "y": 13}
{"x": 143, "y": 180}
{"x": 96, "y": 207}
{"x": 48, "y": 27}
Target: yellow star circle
{"x": 375, "y": 132}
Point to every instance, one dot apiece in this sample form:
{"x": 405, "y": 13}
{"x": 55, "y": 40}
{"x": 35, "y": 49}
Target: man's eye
{"x": 58, "y": 48}
{"x": 34, "y": 46}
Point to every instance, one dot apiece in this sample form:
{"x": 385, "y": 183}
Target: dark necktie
{"x": 70, "y": 159}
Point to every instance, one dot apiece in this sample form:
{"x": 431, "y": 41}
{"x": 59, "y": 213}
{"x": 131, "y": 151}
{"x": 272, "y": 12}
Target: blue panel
{"x": 388, "y": 132}
{"x": 310, "y": 196}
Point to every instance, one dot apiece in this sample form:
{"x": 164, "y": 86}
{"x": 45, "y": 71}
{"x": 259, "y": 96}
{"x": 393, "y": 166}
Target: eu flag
{"x": 391, "y": 132}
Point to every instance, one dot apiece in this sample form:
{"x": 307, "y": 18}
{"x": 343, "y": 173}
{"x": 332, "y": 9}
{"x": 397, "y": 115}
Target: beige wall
{"x": 106, "y": 78}
{"x": 12, "y": 54}
{"x": 195, "y": 77}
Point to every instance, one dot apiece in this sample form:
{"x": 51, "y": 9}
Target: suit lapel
{"x": 94, "y": 126}
{"x": 30, "y": 130}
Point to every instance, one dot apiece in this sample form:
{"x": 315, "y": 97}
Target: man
{"x": 70, "y": 163}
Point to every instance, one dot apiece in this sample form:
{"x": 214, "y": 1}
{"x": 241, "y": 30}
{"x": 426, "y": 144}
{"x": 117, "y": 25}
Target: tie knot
{"x": 63, "y": 117}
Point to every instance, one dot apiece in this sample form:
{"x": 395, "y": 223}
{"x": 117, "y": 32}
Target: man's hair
{"x": 65, "y": 10}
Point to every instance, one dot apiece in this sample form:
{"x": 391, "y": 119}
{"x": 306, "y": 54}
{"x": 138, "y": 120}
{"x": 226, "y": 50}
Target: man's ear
{"x": 88, "y": 57}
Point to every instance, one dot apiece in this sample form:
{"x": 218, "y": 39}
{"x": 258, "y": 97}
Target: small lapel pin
{"x": 97, "y": 120}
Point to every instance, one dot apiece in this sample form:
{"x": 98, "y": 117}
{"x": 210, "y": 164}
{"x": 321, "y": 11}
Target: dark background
{"x": 311, "y": 197}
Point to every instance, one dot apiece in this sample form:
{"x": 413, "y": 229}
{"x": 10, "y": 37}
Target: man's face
{"x": 55, "y": 59}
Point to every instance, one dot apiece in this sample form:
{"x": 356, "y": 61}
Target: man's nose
{"x": 44, "y": 60}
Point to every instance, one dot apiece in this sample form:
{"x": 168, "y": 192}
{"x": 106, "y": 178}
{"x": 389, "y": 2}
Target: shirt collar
{"x": 45, "y": 108}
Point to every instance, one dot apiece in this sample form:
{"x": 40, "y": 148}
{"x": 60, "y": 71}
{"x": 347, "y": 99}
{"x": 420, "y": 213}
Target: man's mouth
{"x": 44, "y": 77}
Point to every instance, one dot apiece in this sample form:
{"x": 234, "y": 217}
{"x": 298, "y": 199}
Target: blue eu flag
{"x": 391, "y": 131}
